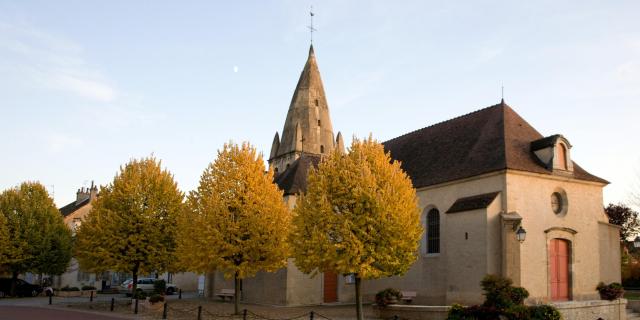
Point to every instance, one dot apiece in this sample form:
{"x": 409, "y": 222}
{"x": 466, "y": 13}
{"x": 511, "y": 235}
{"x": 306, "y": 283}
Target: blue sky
{"x": 87, "y": 85}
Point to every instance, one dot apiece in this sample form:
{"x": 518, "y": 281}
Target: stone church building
{"x": 480, "y": 178}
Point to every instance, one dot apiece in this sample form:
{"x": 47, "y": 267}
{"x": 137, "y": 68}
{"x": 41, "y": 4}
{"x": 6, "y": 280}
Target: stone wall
{"x": 580, "y": 225}
{"x": 593, "y": 309}
{"x": 572, "y": 310}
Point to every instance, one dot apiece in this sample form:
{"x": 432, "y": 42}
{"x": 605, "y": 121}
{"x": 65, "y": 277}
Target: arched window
{"x": 433, "y": 231}
{"x": 562, "y": 156}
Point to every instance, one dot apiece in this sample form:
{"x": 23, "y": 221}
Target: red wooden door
{"x": 559, "y": 253}
{"x": 330, "y": 287}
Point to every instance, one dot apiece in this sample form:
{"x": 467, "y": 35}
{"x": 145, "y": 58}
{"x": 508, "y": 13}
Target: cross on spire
{"x": 310, "y": 26}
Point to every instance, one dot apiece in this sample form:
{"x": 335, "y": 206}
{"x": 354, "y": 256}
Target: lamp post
{"x": 521, "y": 234}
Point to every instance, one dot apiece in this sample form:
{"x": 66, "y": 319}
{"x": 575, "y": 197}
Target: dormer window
{"x": 554, "y": 152}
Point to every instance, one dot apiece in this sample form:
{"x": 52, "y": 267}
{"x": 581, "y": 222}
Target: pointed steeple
{"x": 274, "y": 146}
{"x": 308, "y": 125}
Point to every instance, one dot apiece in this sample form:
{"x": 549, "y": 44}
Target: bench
{"x": 224, "y": 293}
{"x": 408, "y": 296}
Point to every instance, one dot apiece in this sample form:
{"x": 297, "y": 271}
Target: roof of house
{"x": 73, "y": 206}
{"x": 480, "y": 201}
{"x": 484, "y": 141}
{"x": 293, "y": 180}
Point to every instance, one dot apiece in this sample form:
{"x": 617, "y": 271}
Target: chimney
{"x": 93, "y": 192}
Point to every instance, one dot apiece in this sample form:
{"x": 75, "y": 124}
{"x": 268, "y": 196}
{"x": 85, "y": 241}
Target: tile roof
{"x": 293, "y": 180}
{"x": 72, "y": 207}
{"x": 484, "y": 141}
{"x": 480, "y": 201}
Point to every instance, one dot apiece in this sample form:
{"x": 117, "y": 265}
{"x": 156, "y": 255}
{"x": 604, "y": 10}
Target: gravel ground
{"x": 187, "y": 309}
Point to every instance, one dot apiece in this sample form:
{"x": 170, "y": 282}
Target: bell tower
{"x": 307, "y": 128}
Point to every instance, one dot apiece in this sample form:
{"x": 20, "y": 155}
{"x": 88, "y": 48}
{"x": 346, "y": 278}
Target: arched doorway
{"x": 559, "y": 269}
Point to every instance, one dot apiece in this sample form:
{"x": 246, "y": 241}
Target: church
{"x": 497, "y": 197}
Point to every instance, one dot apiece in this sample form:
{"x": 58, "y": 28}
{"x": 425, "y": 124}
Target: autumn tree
{"x": 4, "y": 241}
{"x": 38, "y": 239}
{"x": 132, "y": 226}
{"x": 625, "y": 217}
{"x": 236, "y": 221}
{"x": 359, "y": 216}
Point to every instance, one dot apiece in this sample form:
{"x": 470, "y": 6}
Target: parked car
{"x": 145, "y": 284}
{"x": 23, "y": 288}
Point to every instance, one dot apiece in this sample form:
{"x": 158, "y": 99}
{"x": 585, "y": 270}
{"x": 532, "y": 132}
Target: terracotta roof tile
{"x": 72, "y": 207}
{"x": 484, "y": 141}
{"x": 293, "y": 180}
{"x": 480, "y": 201}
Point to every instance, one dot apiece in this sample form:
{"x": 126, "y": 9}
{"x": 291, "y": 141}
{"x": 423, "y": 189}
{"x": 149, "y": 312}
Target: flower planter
{"x": 87, "y": 293}
{"x": 67, "y": 294}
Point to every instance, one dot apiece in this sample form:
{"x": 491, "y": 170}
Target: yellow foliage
{"x": 236, "y": 221}
{"x": 4, "y": 240}
{"x": 359, "y": 215}
{"x": 132, "y": 225}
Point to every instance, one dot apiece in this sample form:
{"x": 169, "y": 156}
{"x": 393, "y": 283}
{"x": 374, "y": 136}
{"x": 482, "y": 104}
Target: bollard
{"x": 180, "y": 294}
{"x": 164, "y": 311}
{"x": 244, "y": 314}
{"x": 199, "y": 312}
{"x": 50, "y": 298}
{"x": 113, "y": 302}
{"x": 91, "y": 296}
{"x": 311, "y": 315}
{"x": 136, "y": 307}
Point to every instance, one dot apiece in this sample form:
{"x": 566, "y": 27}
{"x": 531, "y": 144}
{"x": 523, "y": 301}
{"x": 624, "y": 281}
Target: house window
{"x": 317, "y": 102}
{"x": 321, "y": 149}
{"x": 318, "y": 123}
{"x": 433, "y": 231}
{"x": 562, "y": 156}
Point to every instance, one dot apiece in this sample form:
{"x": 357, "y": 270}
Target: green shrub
{"x": 160, "y": 286}
{"x": 518, "y": 295}
{"x": 88, "y": 288}
{"x": 610, "y": 291}
{"x": 503, "y": 301}
{"x": 156, "y": 298}
{"x": 67, "y": 288}
{"x": 544, "y": 312}
{"x": 500, "y": 293}
{"x": 387, "y": 296}
{"x": 517, "y": 312}
{"x": 140, "y": 294}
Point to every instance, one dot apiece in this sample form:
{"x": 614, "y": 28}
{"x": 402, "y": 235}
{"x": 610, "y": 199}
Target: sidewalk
{"x": 187, "y": 308}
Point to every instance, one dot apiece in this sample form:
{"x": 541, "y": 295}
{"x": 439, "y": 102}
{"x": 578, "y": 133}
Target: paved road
{"x": 23, "y": 313}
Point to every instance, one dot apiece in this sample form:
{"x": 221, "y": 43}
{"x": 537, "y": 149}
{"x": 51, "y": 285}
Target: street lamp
{"x": 521, "y": 234}
{"x": 636, "y": 242}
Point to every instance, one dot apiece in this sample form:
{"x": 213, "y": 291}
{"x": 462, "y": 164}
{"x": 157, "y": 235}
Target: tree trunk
{"x": 134, "y": 284}
{"x": 358, "y": 298}
{"x": 14, "y": 280}
{"x": 236, "y": 294}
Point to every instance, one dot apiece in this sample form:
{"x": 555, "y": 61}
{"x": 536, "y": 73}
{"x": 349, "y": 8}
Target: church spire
{"x": 307, "y": 128}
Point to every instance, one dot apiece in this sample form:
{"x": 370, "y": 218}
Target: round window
{"x": 556, "y": 203}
